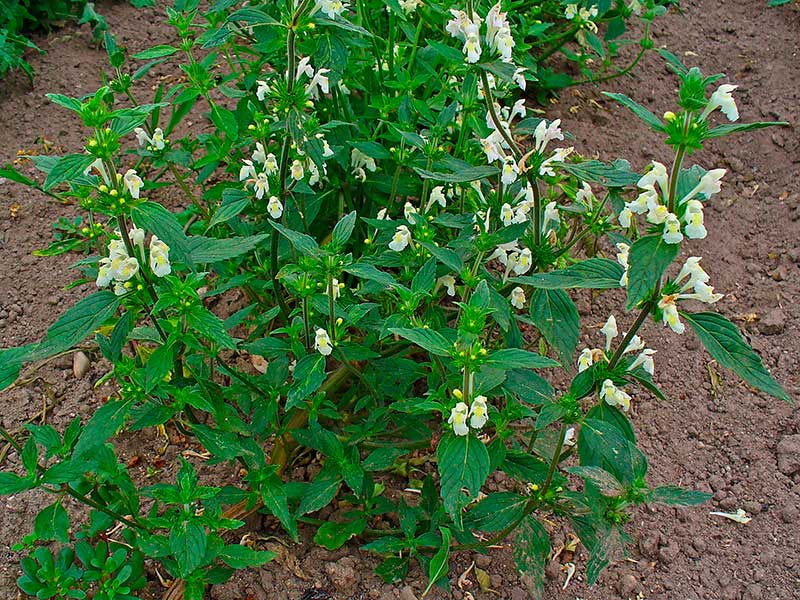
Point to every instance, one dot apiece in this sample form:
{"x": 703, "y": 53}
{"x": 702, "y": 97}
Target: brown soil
{"x": 715, "y": 433}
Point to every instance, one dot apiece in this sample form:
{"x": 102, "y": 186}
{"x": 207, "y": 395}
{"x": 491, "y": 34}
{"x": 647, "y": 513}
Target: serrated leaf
{"x": 343, "y": 229}
{"x": 461, "y": 176}
{"x": 303, "y": 243}
{"x": 608, "y": 547}
{"x": 153, "y": 217}
{"x": 593, "y": 273}
{"x": 52, "y": 523}
{"x": 67, "y": 168}
{"x": 724, "y": 342}
{"x": 188, "y": 542}
{"x": 333, "y": 535}
{"x": 531, "y": 549}
{"x": 160, "y": 51}
{"x": 439, "y": 565}
{"x": 463, "y": 464}
{"x": 640, "y": 111}
{"x": 428, "y": 339}
{"x": 309, "y": 374}
{"x": 729, "y": 128}
{"x": 242, "y": 557}
{"x": 496, "y": 511}
{"x": 321, "y": 491}
{"x": 555, "y": 315}
{"x": 516, "y": 358}
{"x": 648, "y": 258}
{"x": 210, "y": 250}
{"x": 603, "y": 445}
{"x": 103, "y": 424}
{"x": 602, "y": 479}
{"x": 673, "y": 495}
{"x": 371, "y": 273}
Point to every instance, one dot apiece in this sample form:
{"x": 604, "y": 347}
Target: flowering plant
{"x": 398, "y": 233}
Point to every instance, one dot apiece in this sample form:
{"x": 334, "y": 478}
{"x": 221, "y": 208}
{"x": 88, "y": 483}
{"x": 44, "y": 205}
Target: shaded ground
{"x": 714, "y": 433}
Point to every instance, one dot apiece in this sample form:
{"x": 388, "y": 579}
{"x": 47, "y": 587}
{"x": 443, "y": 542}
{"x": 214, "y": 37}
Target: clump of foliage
{"x": 405, "y": 237}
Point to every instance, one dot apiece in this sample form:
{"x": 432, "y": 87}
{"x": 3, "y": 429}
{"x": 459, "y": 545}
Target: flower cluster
{"x": 691, "y": 277}
{"x": 156, "y": 142}
{"x": 120, "y": 267}
{"x": 654, "y": 201}
{"x": 477, "y": 413}
{"x": 467, "y": 29}
{"x": 331, "y": 8}
{"x": 583, "y": 17}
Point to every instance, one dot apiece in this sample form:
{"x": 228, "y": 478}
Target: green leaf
{"x": 516, "y": 358}
{"x": 188, "y": 542}
{"x": 52, "y": 523}
{"x": 729, "y": 128}
{"x": 79, "y": 321}
{"x": 640, "y": 111}
{"x": 425, "y": 278}
{"x": 343, "y": 229}
{"x": 649, "y": 257}
{"x": 496, "y": 512}
{"x": 439, "y": 565}
{"x": 13, "y": 484}
{"x": 210, "y": 250}
{"x": 616, "y": 174}
{"x": 428, "y": 339}
{"x": 242, "y": 557}
{"x": 369, "y": 272}
{"x": 593, "y": 273}
{"x": 303, "y": 243}
{"x": 153, "y": 217}
{"x": 605, "y": 481}
{"x": 274, "y": 497}
{"x": 531, "y": 549}
{"x": 528, "y": 387}
{"x": 210, "y": 326}
{"x": 309, "y": 374}
{"x": 724, "y": 342}
{"x": 608, "y": 547}
{"x": 67, "y": 168}
{"x": 156, "y": 52}
{"x": 554, "y": 314}
{"x": 321, "y": 491}
{"x": 333, "y": 535}
{"x": 72, "y": 104}
{"x": 603, "y": 445}
{"x": 461, "y": 176}
{"x": 463, "y": 463}
{"x": 229, "y": 209}
{"x": 677, "y": 496}
{"x": 446, "y": 256}
{"x": 103, "y": 424}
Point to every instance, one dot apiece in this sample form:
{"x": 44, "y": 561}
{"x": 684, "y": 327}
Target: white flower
{"x": 317, "y": 83}
{"x": 551, "y": 215}
{"x": 519, "y": 78}
{"x": 524, "y": 261}
{"x": 304, "y": 68}
{"x": 458, "y": 419}
{"x": 585, "y": 360}
{"x": 259, "y": 155}
{"x": 322, "y": 342}
{"x": 335, "y": 288}
{"x": 159, "y": 258}
{"x": 657, "y": 213}
{"x": 261, "y": 185}
{"x": 271, "y": 164}
{"x": 409, "y": 6}
{"x": 360, "y": 160}
{"x": 381, "y": 216}
{"x": 461, "y": 26}
{"x": 510, "y": 171}
{"x": 672, "y": 230}
{"x": 133, "y": 183}
{"x": 622, "y": 258}
{"x": 644, "y": 360}
{"x": 491, "y": 149}
{"x": 692, "y": 270}
{"x": 262, "y": 90}
{"x": 634, "y": 345}
{"x": 124, "y": 269}
{"x": 436, "y": 197}
{"x": 248, "y": 170}
{"x": 703, "y": 293}
{"x": 571, "y": 12}
{"x": 670, "y": 315}
{"x": 400, "y": 239}
{"x": 506, "y": 214}
{"x": 274, "y": 207}
{"x": 117, "y": 249}
{"x": 544, "y": 133}
{"x": 157, "y": 141}
{"x": 635, "y": 7}
{"x": 331, "y": 8}
{"x": 517, "y": 298}
{"x": 120, "y": 289}
{"x": 610, "y": 331}
{"x": 313, "y": 169}
{"x": 136, "y": 235}
{"x": 297, "y": 170}
{"x": 614, "y": 396}
{"x": 657, "y": 174}
{"x": 105, "y": 274}
{"x": 558, "y": 156}
{"x": 710, "y": 184}
{"x": 695, "y": 230}
{"x": 472, "y": 49}
{"x": 327, "y": 151}
{"x": 449, "y": 283}
{"x": 141, "y": 136}
{"x": 723, "y": 99}
{"x": 478, "y": 412}
{"x": 409, "y": 211}
{"x": 625, "y": 217}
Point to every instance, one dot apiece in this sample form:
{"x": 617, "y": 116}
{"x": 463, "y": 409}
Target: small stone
{"x": 789, "y": 514}
{"x": 343, "y": 573}
{"x": 754, "y": 592}
{"x": 788, "y": 452}
{"x": 752, "y": 507}
{"x": 794, "y": 254}
{"x": 80, "y": 364}
{"x": 773, "y": 322}
{"x": 553, "y": 570}
{"x": 407, "y": 593}
{"x": 484, "y": 561}
{"x": 628, "y": 585}
{"x": 728, "y": 503}
{"x": 648, "y": 546}
{"x": 667, "y": 554}
{"x": 779, "y": 273}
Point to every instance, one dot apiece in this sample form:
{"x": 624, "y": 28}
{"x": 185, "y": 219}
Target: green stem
{"x": 556, "y": 458}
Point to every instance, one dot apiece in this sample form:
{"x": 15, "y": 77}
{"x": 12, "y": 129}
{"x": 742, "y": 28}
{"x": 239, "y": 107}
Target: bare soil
{"x": 715, "y": 433}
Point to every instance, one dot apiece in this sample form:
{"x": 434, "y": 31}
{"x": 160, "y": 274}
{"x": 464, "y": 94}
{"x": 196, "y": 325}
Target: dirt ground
{"x": 715, "y": 433}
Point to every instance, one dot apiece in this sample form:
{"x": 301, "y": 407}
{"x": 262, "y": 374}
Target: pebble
{"x": 773, "y": 322}
{"x": 789, "y": 514}
{"x": 407, "y": 593}
{"x": 484, "y": 561}
{"x": 628, "y": 585}
{"x": 80, "y": 364}
{"x": 788, "y": 452}
{"x": 648, "y": 546}
{"x": 667, "y": 554}
{"x": 752, "y": 507}
{"x": 728, "y": 503}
